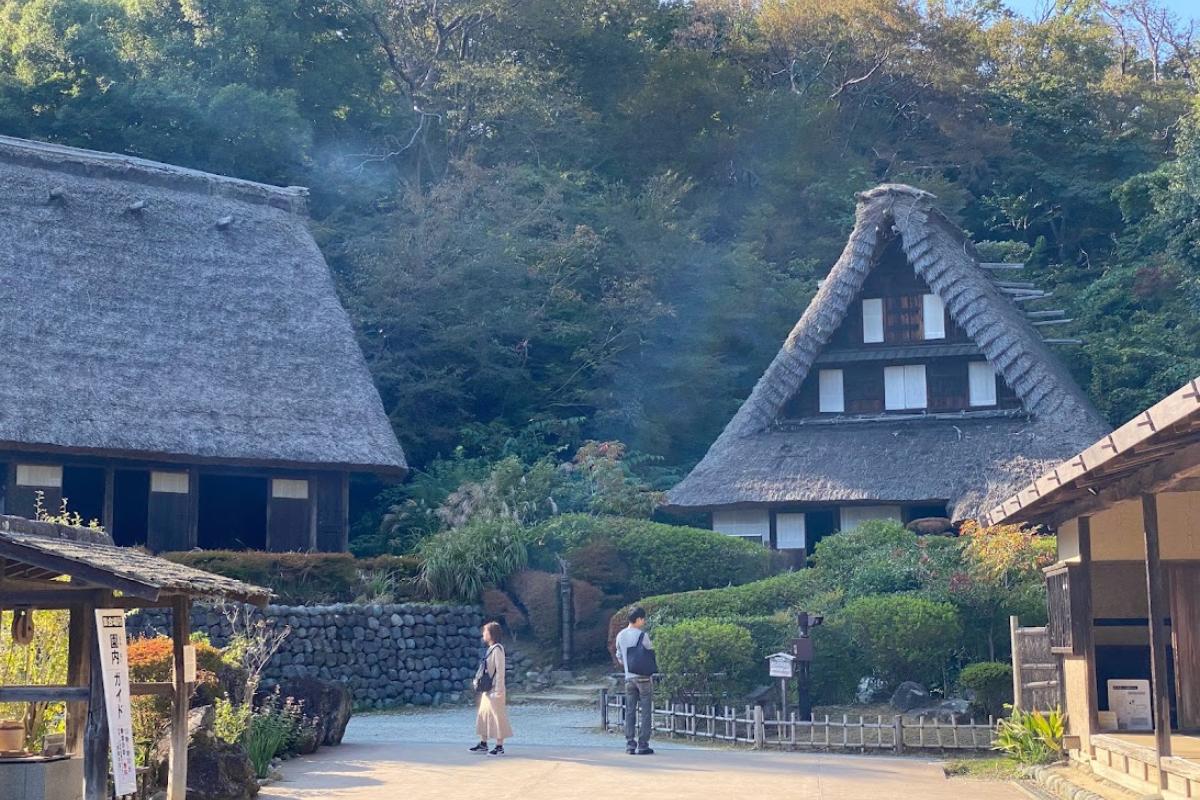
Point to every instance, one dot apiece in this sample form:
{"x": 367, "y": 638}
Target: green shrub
{"x": 458, "y": 564}
{"x": 837, "y": 665}
{"x": 636, "y": 557}
{"x": 308, "y": 578}
{"x": 705, "y": 660}
{"x": 991, "y": 681}
{"x": 1032, "y": 737}
{"x": 883, "y": 557}
{"x": 271, "y": 730}
{"x": 902, "y": 637}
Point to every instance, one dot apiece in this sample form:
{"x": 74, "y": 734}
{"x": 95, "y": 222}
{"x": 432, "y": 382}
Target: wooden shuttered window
{"x": 904, "y": 388}
{"x": 933, "y": 317}
{"x": 1064, "y": 611}
{"x": 832, "y": 397}
{"x": 872, "y": 320}
{"x": 903, "y": 319}
{"x": 981, "y": 379}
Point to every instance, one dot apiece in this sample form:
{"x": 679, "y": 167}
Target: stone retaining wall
{"x": 388, "y": 655}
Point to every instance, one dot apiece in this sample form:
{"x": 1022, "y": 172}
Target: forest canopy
{"x": 563, "y": 220}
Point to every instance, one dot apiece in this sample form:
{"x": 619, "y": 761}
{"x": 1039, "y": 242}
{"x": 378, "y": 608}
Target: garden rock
{"x": 327, "y": 703}
{"x": 219, "y": 771}
{"x": 948, "y": 711}
{"x": 200, "y": 726}
{"x": 931, "y": 526}
{"x": 910, "y": 695}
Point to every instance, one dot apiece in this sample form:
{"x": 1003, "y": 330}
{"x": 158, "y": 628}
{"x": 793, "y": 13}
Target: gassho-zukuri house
{"x": 915, "y": 385}
{"x": 175, "y": 358}
{"x": 1124, "y": 595}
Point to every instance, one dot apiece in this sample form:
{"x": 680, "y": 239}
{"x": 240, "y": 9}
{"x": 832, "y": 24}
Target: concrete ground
{"x": 558, "y": 753}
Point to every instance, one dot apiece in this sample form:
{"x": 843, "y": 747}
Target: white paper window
{"x": 981, "y": 383}
{"x": 832, "y": 399}
{"x": 789, "y": 532}
{"x": 853, "y": 516}
{"x": 169, "y": 482}
{"x": 752, "y": 523}
{"x": 934, "y": 312}
{"x": 41, "y": 475}
{"x": 904, "y": 387}
{"x": 289, "y": 489}
{"x": 872, "y": 320}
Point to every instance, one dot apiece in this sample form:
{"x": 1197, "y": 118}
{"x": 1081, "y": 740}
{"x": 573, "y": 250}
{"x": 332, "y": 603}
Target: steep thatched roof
{"x": 964, "y": 458}
{"x": 156, "y": 309}
{"x": 38, "y": 553}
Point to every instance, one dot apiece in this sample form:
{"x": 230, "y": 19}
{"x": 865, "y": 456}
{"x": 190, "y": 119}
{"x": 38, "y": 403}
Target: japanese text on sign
{"x": 114, "y": 666}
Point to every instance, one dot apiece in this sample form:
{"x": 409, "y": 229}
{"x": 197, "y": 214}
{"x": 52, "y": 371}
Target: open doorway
{"x": 83, "y": 489}
{"x": 131, "y": 507}
{"x": 233, "y": 513}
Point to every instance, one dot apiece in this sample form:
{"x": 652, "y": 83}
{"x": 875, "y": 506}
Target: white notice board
{"x": 114, "y": 666}
{"x": 1130, "y": 700}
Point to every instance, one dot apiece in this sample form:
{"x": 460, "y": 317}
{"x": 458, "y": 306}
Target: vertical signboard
{"x": 114, "y": 666}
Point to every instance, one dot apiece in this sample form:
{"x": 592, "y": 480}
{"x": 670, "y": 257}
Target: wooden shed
{"x": 45, "y": 566}
{"x": 917, "y": 383}
{"x": 177, "y": 362}
{"x": 1124, "y": 594}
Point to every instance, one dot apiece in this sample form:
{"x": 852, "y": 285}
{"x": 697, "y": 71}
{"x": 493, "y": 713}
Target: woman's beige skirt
{"x": 492, "y": 720}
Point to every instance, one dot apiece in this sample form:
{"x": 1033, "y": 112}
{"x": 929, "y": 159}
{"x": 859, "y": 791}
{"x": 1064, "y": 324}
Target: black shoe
{"x": 498, "y": 750}
{"x": 480, "y": 748}
{"x": 645, "y": 751}
{"x": 631, "y": 749}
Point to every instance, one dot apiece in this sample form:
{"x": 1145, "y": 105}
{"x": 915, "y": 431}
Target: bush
{"x": 635, "y": 557}
{"x": 271, "y": 731}
{"x": 902, "y": 637}
{"x": 882, "y": 557}
{"x": 991, "y": 681}
{"x": 460, "y": 563}
{"x": 308, "y": 578}
{"x": 1032, "y": 737}
{"x": 705, "y": 660}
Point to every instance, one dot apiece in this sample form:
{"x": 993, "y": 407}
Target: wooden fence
{"x": 749, "y": 725}
{"x": 1037, "y": 673}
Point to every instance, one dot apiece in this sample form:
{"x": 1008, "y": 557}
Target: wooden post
{"x": 1157, "y": 602}
{"x": 95, "y": 734}
{"x": 604, "y": 710}
{"x": 81, "y": 634}
{"x": 1014, "y": 625}
{"x": 760, "y": 729}
{"x": 177, "y": 760}
{"x": 313, "y": 481}
{"x": 193, "y": 526}
{"x": 898, "y": 727}
{"x": 108, "y": 511}
{"x": 1083, "y": 627}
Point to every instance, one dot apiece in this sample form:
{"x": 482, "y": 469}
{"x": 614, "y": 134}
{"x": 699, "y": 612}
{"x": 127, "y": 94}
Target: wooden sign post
{"x": 114, "y": 667}
{"x": 780, "y": 665}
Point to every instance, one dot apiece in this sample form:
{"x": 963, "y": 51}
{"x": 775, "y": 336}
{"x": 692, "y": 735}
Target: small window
{"x": 169, "y": 482}
{"x": 40, "y": 475}
{"x": 747, "y": 523}
{"x": 789, "y": 532}
{"x": 289, "y": 489}
{"x": 982, "y": 383}
{"x": 904, "y": 388}
{"x": 853, "y": 516}
{"x": 833, "y": 399}
{"x": 872, "y": 320}
{"x": 934, "y": 316}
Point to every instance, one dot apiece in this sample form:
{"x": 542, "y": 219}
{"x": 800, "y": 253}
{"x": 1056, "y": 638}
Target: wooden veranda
{"x": 47, "y": 566}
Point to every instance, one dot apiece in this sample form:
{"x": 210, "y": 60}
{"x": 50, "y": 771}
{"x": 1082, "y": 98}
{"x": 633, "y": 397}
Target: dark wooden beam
{"x": 81, "y": 629}
{"x": 193, "y": 523}
{"x": 177, "y": 760}
{"x": 1157, "y": 608}
{"x": 42, "y": 694}
{"x": 43, "y": 598}
{"x": 157, "y": 689}
{"x": 109, "y": 491}
{"x": 1084, "y": 626}
{"x": 76, "y": 569}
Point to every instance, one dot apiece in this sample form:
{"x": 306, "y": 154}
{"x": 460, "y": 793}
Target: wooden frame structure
{"x": 1127, "y": 511}
{"x": 46, "y": 566}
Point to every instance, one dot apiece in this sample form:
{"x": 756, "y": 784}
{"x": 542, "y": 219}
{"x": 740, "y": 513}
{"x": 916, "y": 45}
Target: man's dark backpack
{"x": 483, "y": 679}
{"x": 640, "y": 660}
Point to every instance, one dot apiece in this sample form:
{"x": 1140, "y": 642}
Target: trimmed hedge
{"x": 705, "y": 659}
{"x": 991, "y": 681}
{"x": 310, "y": 578}
{"x": 634, "y": 557}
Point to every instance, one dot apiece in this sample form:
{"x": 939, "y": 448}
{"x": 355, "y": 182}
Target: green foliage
{"x": 231, "y": 720}
{"x": 1032, "y": 737}
{"x": 311, "y": 578}
{"x": 902, "y": 637}
{"x": 705, "y": 659}
{"x": 991, "y": 681}
{"x": 41, "y": 662}
{"x": 458, "y": 564}
{"x": 272, "y": 729}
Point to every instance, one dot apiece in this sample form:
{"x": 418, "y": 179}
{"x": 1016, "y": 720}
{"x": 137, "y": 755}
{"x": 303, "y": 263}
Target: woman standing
{"x": 491, "y": 722}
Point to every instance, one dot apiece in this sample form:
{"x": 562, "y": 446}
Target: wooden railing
{"x": 749, "y": 725}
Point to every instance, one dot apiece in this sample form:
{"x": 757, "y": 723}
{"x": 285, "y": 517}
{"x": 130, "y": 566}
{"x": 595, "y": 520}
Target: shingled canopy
{"x": 183, "y": 323}
{"x": 971, "y": 459}
{"x": 50, "y": 566}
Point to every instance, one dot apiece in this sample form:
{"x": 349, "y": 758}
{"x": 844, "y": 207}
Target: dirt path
{"x": 557, "y": 754}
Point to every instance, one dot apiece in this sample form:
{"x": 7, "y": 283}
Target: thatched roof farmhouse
{"x": 914, "y": 385}
{"x": 175, "y": 359}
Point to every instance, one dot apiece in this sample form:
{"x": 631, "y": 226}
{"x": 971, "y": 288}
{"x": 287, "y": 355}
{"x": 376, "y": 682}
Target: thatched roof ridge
{"x": 47, "y": 551}
{"x": 943, "y": 257}
{"x": 161, "y": 311}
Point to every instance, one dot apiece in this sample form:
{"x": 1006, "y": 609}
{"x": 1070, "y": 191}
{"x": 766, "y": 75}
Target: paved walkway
{"x": 557, "y": 753}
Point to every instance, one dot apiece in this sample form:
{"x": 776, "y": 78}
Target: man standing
{"x": 635, "y": 653}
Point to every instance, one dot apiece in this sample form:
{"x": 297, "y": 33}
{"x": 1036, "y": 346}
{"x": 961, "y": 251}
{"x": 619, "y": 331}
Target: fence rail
{"x": 749, "y": 725}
